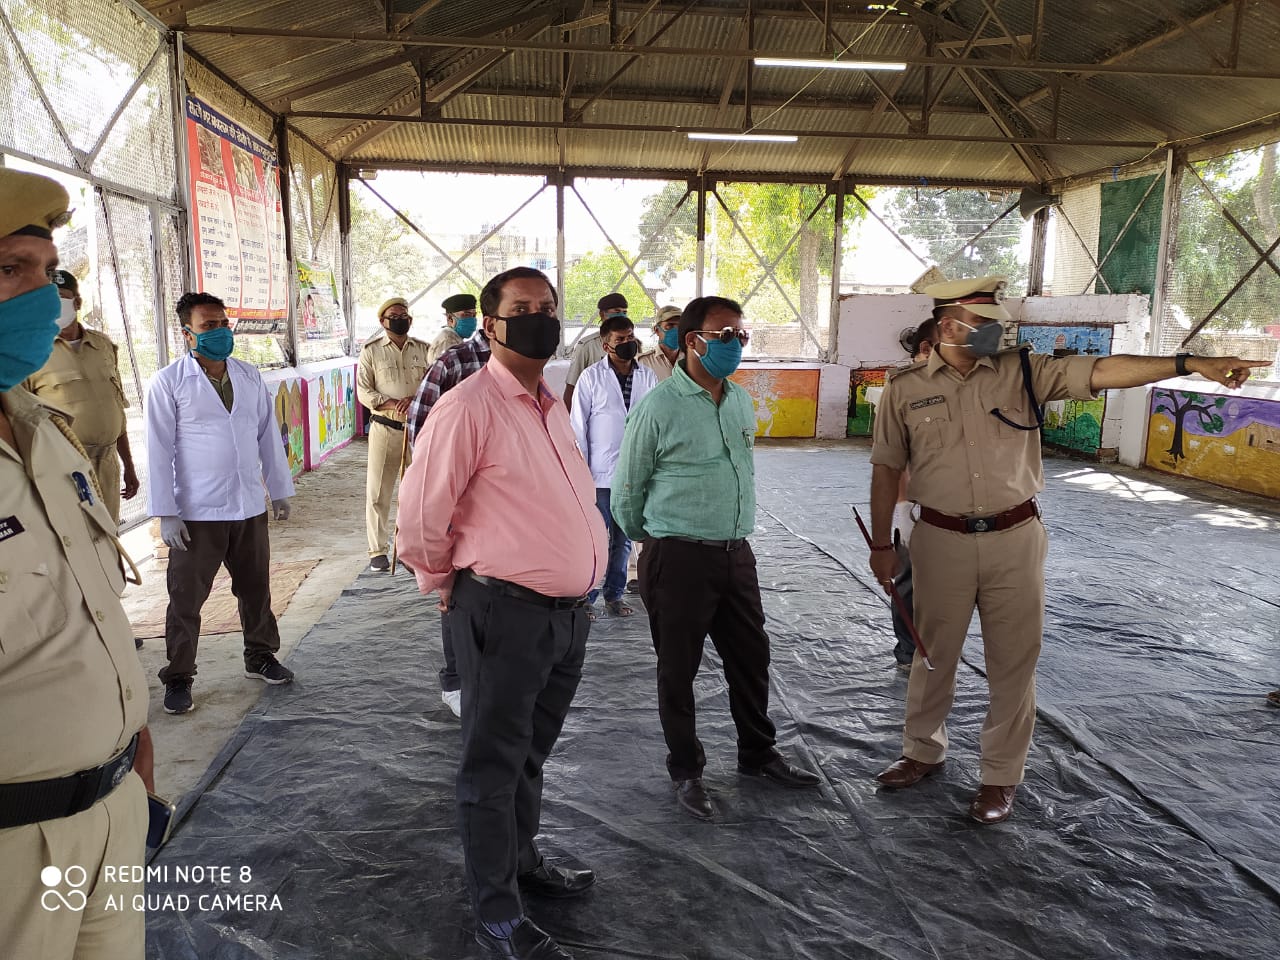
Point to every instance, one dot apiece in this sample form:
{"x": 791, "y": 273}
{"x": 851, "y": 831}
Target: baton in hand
{"x": 897, "y": 600}
{"x": 395, "y": 537}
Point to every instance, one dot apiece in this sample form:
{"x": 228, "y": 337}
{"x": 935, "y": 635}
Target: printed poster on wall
{"x": 319, "y": 316}
{"x": 237, "y": 220}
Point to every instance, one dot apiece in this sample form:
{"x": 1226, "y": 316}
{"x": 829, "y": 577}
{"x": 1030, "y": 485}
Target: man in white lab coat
{"x": 605, "y": 393}
{"x": 212, "y": 441}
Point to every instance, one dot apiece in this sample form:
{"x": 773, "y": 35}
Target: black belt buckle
{"x": 980, "y": 524}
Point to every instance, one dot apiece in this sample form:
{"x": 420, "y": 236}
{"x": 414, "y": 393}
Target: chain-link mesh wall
{"x": 1215, "y": 271}
{"x": 769, "y": 246}
{"x": 1074, "y": 237}
{"x": 424, "y": 236}
{"x": 313, "y": 201}
{"x": 86, "y": 97}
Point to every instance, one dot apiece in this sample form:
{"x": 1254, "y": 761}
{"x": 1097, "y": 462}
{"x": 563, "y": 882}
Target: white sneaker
{"x": 453, "y": 700}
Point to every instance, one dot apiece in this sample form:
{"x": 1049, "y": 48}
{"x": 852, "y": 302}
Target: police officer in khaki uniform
{"x": 391, "y": 367}
{"x": 82, "y": 378}
{"x": 965, "y": 425}
{"x": 74, "y": 751}
{"x": 459, "y": 323}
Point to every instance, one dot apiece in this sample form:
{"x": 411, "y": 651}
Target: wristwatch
{"x": 1180, "y": 363}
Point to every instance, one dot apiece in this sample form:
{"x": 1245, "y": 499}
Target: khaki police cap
{"x": 30, "y": 200}
{"x": 393, "y": 302}
{"x": 981, "y": 295}
{"x": 666, "y": 313}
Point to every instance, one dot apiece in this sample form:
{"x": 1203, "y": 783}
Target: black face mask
{"x": 627, "y": 350}
{"x": 398, "y": 325}
{"x": 532, "y": 335}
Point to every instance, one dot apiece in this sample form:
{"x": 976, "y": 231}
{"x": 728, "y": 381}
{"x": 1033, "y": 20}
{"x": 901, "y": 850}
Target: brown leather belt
{"x": 1001, "y": 521}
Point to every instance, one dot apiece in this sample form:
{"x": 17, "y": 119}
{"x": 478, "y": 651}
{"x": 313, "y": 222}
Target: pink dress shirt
{"x": 498, "y": 485}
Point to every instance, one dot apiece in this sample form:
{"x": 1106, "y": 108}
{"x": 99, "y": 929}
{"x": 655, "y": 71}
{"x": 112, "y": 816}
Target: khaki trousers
{"x": 106, "y": 467}
{"x": 385, "y": 445}
{"x": 1002, "y": 574}
{"x": 84, "y": 916}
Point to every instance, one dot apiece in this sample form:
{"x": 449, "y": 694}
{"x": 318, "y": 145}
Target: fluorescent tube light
{"x": 753, "y": 137}
{"x": 827, "y": 64}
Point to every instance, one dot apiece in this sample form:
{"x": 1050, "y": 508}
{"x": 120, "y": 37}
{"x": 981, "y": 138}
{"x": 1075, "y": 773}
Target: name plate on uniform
{"x": 10, "y": 527}
{"x": 928, "y": 402}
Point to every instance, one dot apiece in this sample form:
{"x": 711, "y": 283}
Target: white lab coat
{"x": 204, "y": 463}
{"x": 598, "y": 415}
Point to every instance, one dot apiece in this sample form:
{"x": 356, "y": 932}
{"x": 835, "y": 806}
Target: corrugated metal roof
{"x": 340, "y": 70}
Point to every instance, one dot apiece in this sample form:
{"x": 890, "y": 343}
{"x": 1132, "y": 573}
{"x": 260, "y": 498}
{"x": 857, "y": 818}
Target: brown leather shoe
{"x": 992, "y": 804}
{"x": 905, "y": 772}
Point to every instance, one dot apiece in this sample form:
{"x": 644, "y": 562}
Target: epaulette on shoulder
{"x": 895, "y": 372}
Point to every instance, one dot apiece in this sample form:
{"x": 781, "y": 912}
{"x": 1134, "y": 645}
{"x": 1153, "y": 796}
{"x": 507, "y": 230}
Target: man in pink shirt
{"x": 498, "y": 516}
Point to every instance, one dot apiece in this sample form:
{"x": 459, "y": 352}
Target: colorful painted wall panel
{"x": 331, "y": 410}
{"x": 1088, "y": 341}
{"x": 291, "y": 418}
{"x": 786, "y": 401}
{"x": 1228, "y": 440}
{"x": 860, "y": 411}
{"x": 1075, "y": 424}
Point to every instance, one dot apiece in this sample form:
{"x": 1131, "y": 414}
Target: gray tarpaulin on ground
{"x": 1146, "y": 826}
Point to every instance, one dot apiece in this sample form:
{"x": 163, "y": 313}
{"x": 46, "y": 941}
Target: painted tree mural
{"x": 1178, "y": 405}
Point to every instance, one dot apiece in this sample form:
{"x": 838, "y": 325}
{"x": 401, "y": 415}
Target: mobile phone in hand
{"x": 160, "y": 820}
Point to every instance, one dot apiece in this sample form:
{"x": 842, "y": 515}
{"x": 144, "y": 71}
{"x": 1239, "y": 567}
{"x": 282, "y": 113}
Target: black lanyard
{"x": 1024, "y": 355}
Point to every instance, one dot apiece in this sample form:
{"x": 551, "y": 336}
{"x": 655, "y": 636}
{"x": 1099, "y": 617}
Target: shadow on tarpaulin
{"x": 1145, "y": 828}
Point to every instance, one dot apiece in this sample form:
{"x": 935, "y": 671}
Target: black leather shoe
{"x": 779, "y": 771}
{"x": 692, "y": 796}
{"x": 559, "y": 882}
{"x": 528, "y": 942}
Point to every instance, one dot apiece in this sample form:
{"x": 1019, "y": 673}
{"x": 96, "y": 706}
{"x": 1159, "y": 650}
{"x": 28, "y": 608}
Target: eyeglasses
{"x": 725, "y": 335}
{"x": 396, "y": 316}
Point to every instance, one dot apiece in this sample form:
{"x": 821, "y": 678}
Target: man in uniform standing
{"x": 964, "y": 424}
{"x": 685, "y": 484}
{"x": 82, "y": 377}
{"x": 212, "y": 441}
{"x": 661, "y": 357}
{"x": 497, "y": 445}
{"x": 459, "y": 323}
{"x": 75, "y": 755}
{"x": 391, "y": 366}
{"x": 589, "y": 348}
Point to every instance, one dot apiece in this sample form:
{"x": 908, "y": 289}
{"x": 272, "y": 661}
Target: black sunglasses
{"x": 725, "y": 335}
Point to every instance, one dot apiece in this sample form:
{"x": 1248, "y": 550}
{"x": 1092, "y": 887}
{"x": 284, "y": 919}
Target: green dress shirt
{"x": 686, "y": 467}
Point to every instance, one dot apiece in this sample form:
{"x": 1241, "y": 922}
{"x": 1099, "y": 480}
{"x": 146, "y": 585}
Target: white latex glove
{"x": 903, "y": 521}
{"x": 280, "y": 508}
{"x": 174, "y": 533}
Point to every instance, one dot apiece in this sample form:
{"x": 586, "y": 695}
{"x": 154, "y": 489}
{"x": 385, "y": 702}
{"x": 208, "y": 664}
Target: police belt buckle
{"x": 979, "y": 524}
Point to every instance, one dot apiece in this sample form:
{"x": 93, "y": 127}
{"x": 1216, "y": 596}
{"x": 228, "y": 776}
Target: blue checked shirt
{"x": 450, "y": 369}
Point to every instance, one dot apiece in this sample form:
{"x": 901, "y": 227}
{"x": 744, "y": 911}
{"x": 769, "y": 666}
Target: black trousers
{"x": 520, "y": 664}
{"x": 244, "y": 546}
{"x": 692, "y": 591}
{"x": 449, "y": 672}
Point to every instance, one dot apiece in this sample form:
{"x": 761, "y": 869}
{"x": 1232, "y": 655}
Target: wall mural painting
{"x": 786, "y": 401}
{"x": 331, "y": 408}
{"x": 1074, "y": 425}
{"x": 860, "y": 411}
{"x": 1228, "y": 440}
{"x": 1086, "y": 341}
{"x": 291, "y": 418}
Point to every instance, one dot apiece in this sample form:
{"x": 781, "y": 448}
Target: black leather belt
{"x": 509, "y": 589}
{"x": 717, "y": 544}
{"x": 37, "y": 800}
{"x": 386, "y": 421}
{"x": 1001, "y": 521}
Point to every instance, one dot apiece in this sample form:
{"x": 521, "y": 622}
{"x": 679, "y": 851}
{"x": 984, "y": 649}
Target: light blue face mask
{"x": 215, "y": 344}
{"x": 28, "y": 327}
{"x": 721, "y": 359}
{"x": 671, "y": 339}
{"x": 464, "y": 326}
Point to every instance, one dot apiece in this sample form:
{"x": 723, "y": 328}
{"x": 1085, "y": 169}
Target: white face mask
{"x": 68, "y": 315}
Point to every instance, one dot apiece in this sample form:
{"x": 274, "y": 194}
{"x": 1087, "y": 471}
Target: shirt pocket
{"x": 1017, "y": 412}
{"x": 31, "y": 609}
{"x": 929, "y": 427}
{"x": 98, "y": 524}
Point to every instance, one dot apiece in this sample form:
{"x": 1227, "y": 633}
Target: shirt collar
{"x": 936, "y": 363}
{"x": 688, "y": 387}
{"x": 511, "y": 387}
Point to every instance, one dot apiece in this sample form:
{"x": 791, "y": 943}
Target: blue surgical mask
{"x": 721, "y": 358}
{"x": 215, "y": 344}
{"x": 464, "y": 326}
{"x": 671, "y": 339}
{"x": 28, "y": 327}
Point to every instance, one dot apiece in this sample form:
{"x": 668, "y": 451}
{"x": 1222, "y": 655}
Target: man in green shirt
{"x": 685, "y": 484}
